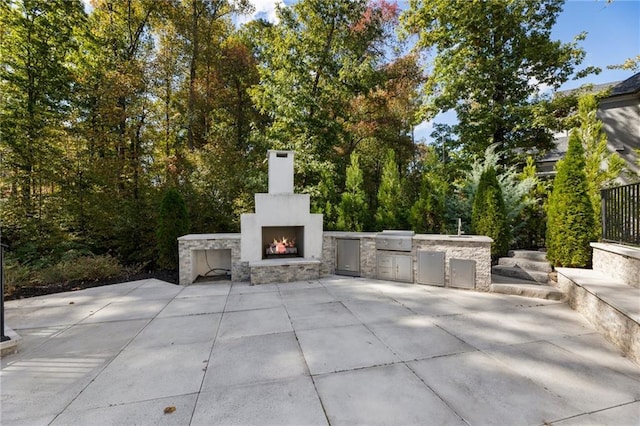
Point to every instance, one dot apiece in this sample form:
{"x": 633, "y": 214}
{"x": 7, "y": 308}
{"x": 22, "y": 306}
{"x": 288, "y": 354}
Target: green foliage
{"x": 74, "y": 267}
{"x": 391, "y": 212}
{"x": 428, "y": 212}
{"x": 489, "y": 216}
{"x": 326, "y": 85}
{"x": 532, "y": 218}
{"x": 602, "y": 167}
{"x": 570, "y": 221}
{"x": 514, "y": 189}
{"x": 82, "y": 268}
{"x": 489, "y": 63}
{"x": 353, "y": 208}
{"x": 173, "y": 222}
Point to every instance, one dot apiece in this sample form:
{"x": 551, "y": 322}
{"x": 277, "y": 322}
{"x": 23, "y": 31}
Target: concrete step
{"x": 524, "y": 263}
{"x": 529, "y": 290}
{"x": 523, "y": 274}
{"x": 538, "y": 256}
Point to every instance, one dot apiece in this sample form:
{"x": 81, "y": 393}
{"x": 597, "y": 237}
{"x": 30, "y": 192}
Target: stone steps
{"x": 525, "y": 263}
{"x": 530, "y": 265}
{"x": 529, "y": 290}
{"x": 535, "y": 255}
{"x": 520, "y": 273}
{"x": 610, "y": 304}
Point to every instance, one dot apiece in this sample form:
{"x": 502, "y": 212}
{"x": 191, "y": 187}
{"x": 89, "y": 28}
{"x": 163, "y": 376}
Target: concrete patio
{"x": 337, "y": 350}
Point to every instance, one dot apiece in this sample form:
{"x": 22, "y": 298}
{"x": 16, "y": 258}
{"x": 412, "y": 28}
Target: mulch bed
{"x": 43, "y": 289}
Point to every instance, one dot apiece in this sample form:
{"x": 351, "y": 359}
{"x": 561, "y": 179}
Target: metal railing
{"x": 621, "y": 214}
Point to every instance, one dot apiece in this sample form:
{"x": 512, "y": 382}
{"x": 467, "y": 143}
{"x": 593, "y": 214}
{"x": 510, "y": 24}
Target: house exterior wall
{"x": 620, "y": 116}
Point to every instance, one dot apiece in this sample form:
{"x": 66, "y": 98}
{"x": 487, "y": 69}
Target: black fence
{"x": 621, "y": 214}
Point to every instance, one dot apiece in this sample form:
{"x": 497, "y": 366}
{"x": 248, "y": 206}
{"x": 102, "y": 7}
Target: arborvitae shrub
{"x": 390, "y": 212}
{"x": 489, "y": 216}
{"x": 173, "y": 222}
{"x": 427, "y": 213}
{"x": 570, "y": 222}
{"x": 352, "y": 210}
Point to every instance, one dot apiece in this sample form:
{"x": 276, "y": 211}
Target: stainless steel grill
{"x": 394, "y": 240}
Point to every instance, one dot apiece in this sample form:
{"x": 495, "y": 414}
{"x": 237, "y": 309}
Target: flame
{"x": 280, "y": 246}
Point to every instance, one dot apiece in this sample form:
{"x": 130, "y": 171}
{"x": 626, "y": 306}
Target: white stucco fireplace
{"x": 282, "y": 234}
{"x": 281, "y": 212}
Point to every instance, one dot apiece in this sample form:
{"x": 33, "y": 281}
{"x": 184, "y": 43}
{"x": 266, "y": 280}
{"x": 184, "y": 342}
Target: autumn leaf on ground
{"x": 169, "y": 410}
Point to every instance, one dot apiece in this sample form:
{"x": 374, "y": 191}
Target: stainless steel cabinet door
{"x": 348, "y": 256}
{"x": 385, "y": 267}
{"x": 403, "y": 268}
{"x": 430, "y": 267}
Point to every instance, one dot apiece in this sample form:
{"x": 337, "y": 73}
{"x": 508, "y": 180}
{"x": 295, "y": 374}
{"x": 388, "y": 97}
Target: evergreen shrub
{"x": 427, "y": 213}
{"x": 390, "y": 213}
{"x": 488, "y": 216}
{"x": 173, "y": 222}
{"x": 352, "y": 210}
{"x": 570, "y": 221}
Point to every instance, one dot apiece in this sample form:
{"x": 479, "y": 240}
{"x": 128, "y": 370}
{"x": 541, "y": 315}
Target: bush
{"x": 84, "y": 268}
{"x": 74, "y": 268}
{"x": 531, "y": 226}
{"x": 173, "y": 222}
{"x": 390, "y": 213}
{"x": 352, "y": 210}
{"x": 570, "y": 221}
{"x": 428, "y": 212}
{"x": 489, "y": 216}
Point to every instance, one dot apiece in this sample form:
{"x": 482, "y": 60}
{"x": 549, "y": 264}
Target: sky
{"x": 613, "y": 35}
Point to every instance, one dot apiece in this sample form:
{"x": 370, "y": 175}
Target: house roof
{"x": 628, "y": 86}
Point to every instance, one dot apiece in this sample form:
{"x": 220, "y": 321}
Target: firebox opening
{"x": 282, "y": 241}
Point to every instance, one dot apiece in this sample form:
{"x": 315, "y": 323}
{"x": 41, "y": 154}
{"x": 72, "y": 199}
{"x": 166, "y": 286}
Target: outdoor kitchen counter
{"x": 345, "y": 234}
{"x": 204, "y": 237}
{"x": 454, "y": 238}
{"x": 476, "y": 248}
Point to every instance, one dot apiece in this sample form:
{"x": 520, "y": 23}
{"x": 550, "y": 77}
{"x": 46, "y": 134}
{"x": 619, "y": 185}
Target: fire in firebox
{"x": 283, "y": 246}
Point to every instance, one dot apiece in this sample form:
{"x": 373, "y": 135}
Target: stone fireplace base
{"x": 283, "y": 270}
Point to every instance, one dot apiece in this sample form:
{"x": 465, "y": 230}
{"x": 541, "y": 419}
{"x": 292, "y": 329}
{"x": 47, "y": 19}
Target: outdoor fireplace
{"x": 282, "y": 225}
{"x": 282, "y": 241}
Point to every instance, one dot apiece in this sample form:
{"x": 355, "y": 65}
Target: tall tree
{"x": 601, "y": 166}
{"x": 490, "y": 61}
{"x": 38, "y": 43}
{"x": 353, "y": 209}
{"x": 428, "y": 214}
{"x": 570, "y": 221}
{"x": 390, "y": 213}
{"x": 315, "y": 63}
{"x": 201, "y": 27}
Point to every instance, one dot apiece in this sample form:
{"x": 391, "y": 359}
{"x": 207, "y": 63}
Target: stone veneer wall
{"x": 476, "y": 248}
{"x": 189, "y": 243}
{"x": 618, "y": 327}
{"x": 283, "y": 271}
{"x": 368, "y": 257}
{"x": 617, "y": 261}
{"x": 328, "y": 266}
{"x": 469, "y": 247}
{"x": 368, "y": 261}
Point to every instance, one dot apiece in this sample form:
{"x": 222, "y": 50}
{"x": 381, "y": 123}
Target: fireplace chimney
{"x": 280, "y": 172}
